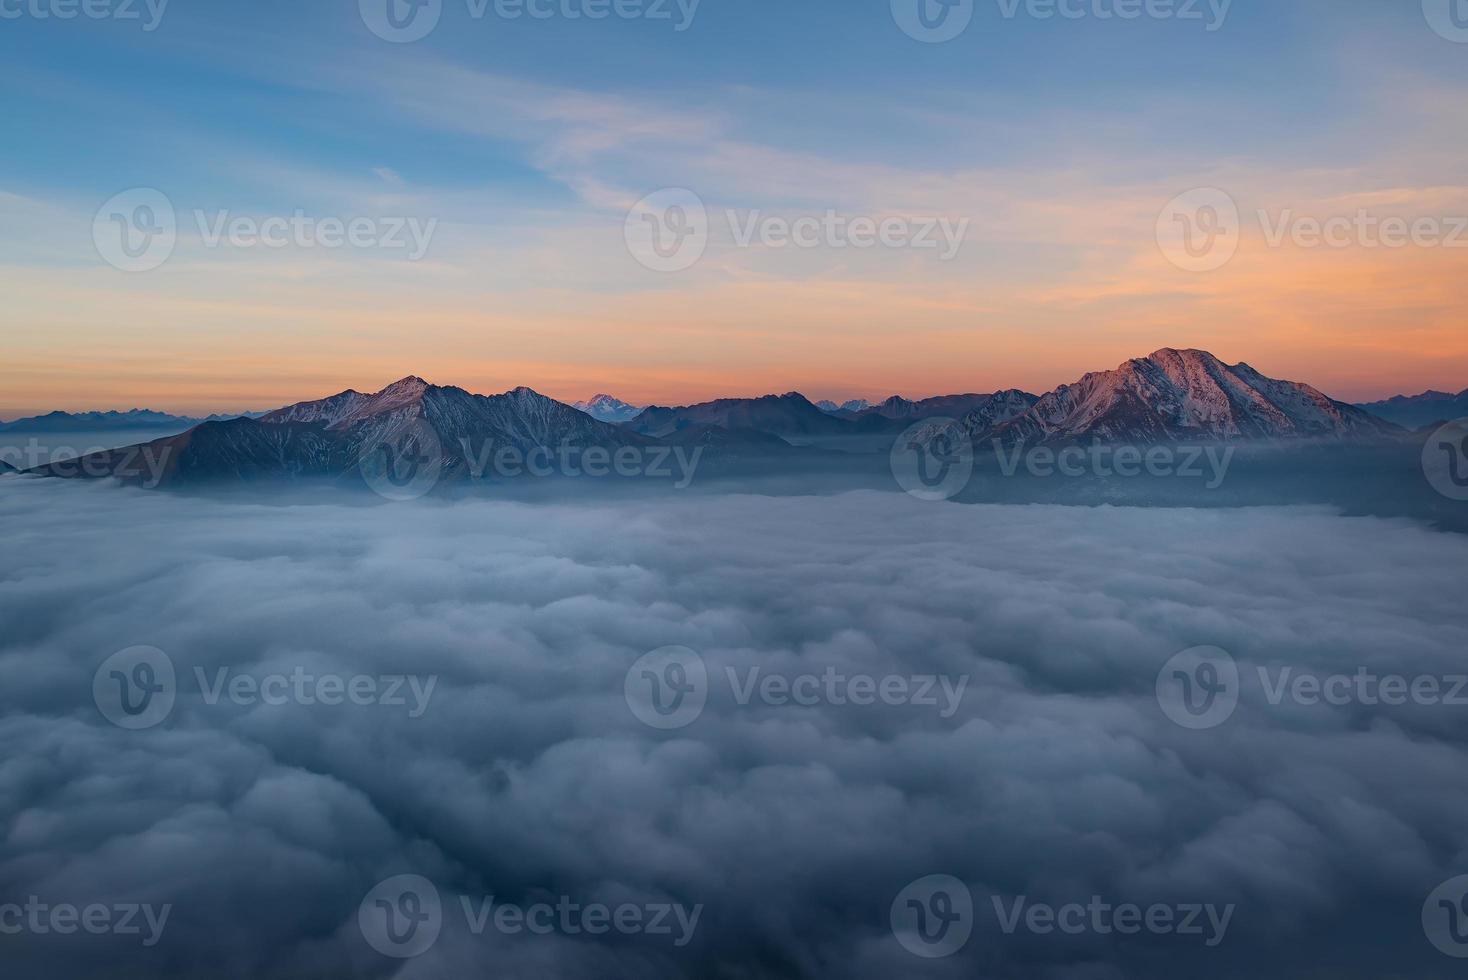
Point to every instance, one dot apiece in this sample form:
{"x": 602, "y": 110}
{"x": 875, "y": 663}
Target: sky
{"x": 519, "y": 147}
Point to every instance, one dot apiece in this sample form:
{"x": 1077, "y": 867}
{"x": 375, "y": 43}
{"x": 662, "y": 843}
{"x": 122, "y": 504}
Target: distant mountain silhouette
{"x": 898, "y": 408}
{"x": 780, "y": 415}
{"x": 137, "y": 418}
{"x": 1417, "y": 411}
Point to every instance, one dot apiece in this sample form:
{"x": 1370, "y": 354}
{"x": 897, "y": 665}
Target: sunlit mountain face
{"x": 691, "y": 490}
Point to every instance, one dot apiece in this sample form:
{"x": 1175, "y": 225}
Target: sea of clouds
{"x": 528, "y": 776}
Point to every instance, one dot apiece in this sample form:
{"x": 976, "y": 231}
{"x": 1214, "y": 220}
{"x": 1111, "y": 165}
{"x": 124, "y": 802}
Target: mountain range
{"x": 788, "y": 415}
{"x": 1168, "y": 396}
{"x": 137, "y": 418}
{"x": 1178, "y": 395}
{"x": 855, "y": 405}
{"x": 1418, "y": 411}
{"x": 794, "y": 417}
{"x": 332, "y": 437}
{"x": 898, "y": 408}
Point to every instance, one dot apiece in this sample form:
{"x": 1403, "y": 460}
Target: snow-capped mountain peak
{"x": 608, "y": 408}
{"x": 412, "y": 383}
{"x": 1174, "y": 394}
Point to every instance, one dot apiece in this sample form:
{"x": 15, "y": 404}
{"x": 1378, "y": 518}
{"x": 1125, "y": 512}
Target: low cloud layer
{"x": 528, "y": 776}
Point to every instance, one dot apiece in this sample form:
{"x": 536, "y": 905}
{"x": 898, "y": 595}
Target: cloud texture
{"x": 528, "y": 777}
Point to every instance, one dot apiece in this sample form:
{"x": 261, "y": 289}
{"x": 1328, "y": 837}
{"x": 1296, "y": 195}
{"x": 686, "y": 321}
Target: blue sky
{"x": 1276, "y": 81}
{"x": 528, "y": 139}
